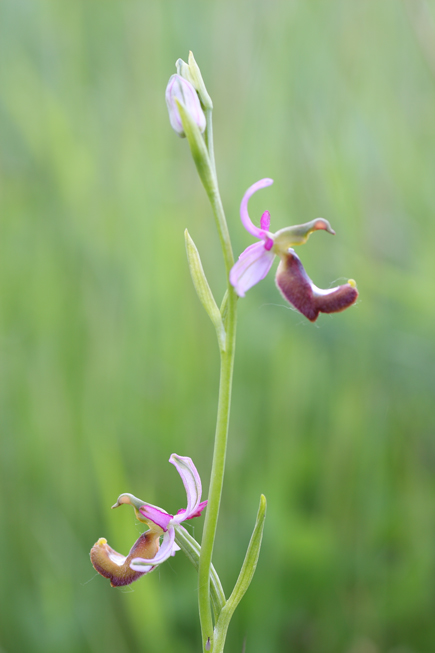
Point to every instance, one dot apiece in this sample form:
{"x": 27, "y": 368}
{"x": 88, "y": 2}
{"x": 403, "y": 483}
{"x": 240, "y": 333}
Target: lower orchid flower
{"x": 292, "y": 280}
{"x": 148, "y": 552}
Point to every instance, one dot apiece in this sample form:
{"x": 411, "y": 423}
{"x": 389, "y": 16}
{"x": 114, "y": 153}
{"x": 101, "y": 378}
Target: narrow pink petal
{"x": 265, "y": 221}
{"x": 198, "y": 512}
{"x": 165, "y": 551}
{"x": 268, "y": 244}
{"x": 253, "y": 265}
{"x": 192, "y": 483}
{"x": 175, "y": 548}
{"x": 244, "y": 215}
{"x": 298, "y": 289}
{"x": 155, "y": 515}
{"x": 199, "y": 509}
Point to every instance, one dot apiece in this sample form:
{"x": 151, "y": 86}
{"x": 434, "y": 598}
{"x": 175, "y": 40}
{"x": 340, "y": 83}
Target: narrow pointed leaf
{"x": 244, "y": 579}
{"x": 224, "y": 306}
{"x": 250, "y": 561}
{"x": 203, "y": 289}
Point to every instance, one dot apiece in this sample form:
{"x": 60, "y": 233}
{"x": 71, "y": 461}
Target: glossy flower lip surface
{"x": 116, "y": 567}
{"x": 298, "y": 289}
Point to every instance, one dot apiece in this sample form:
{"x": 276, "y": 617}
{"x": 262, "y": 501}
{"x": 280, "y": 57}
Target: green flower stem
{"x": 203, "y": 156}
{"x": 217, "y": 474}
{"x": 224, "y": 403}
{"x": 192, "y": 549}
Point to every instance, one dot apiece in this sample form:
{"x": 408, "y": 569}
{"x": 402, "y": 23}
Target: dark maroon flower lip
{"x": 298, "y": 289}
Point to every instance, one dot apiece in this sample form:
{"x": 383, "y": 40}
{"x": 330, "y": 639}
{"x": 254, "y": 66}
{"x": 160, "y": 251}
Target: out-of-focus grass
{"x": 108, "y": 364}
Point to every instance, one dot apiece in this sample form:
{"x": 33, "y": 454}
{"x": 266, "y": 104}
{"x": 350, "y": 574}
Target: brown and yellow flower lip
{"x": 116, "y": 567}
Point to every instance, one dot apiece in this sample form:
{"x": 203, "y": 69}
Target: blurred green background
{"x": 108, "y": 363}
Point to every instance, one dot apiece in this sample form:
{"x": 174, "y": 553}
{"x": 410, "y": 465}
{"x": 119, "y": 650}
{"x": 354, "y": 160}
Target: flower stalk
{"x": 203, "y": 156}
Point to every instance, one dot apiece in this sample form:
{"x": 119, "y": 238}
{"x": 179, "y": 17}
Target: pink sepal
{"x": 162, "y": 554}
{"x": 192, "y": 483}
{"x": 198, "y": 512}
{"x": 244, "y": 215}
{"x": 265, "y": 221}
{"x": 253, "y": 265}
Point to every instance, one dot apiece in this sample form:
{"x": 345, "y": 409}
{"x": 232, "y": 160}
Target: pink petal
{"x": 192, "y": 483}
{"x": 165, "y": 551}
{"x": 175, "y": 548}
{"x": 265, "y": 221}
{"x": 298, "y": 289}
{"x": 253, "y": 265}
{"x": 244, "y": 215}
{"x": 155, "y": 515}
{"x": 198, "y": 512}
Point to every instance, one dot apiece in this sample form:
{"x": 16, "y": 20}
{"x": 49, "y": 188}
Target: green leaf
{"x": 251, "y": 558}
{"x": 244, "y": 579}
{"x": 203, "y": 289}
{"x": 224, "y": 306}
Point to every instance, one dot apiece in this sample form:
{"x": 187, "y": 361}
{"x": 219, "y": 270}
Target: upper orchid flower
{"x": 147, "y": 552}
{"x": 181, "y": 90}
{"x": 292, "y": 280}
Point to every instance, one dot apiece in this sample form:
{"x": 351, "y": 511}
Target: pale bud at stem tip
{"x": 180, "y": 90}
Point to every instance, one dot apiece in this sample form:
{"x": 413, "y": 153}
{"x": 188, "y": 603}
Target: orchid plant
{"x": 190, "y": 113}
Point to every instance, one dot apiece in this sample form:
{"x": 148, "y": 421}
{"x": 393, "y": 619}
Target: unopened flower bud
{"x": 183, "y": 70}
{"x": 180, "y": 90}
{"x": 192, "y": 73}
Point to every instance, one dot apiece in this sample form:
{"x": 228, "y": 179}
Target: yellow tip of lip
{"x": 102, "y": 541}
{"x": 352, "y": 283}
